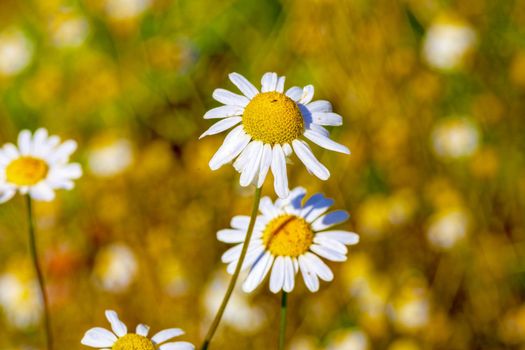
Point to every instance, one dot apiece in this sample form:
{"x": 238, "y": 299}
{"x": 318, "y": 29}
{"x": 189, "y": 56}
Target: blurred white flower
{"x": 126, "y": 9}
{"x": 110, "y": 159}
{"x": 304, "y": 343}
{"x": 447, "y": 42}
{"x": 351, "y": 339}
{"x": 411, "y": 312}
{"x": 115, "y": 268}
{"x": 69, "y": 29}
{"x": 20, "y": 299}
{"x": 447, "y": 228}
{"x": 16, "y": 52}
{"x": 455, "y": 138}
{"x": 239, "y": 314}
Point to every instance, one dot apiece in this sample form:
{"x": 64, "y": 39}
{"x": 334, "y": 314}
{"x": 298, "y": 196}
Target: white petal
{"x": 180, "y": 345}
{"x": 280, "y": 84}
{"x": 294, "y": 93}
{"x": 344, "y": 237}
{"x": 279, "y": 172}
{"x": 266, "y": 162}
{"x": 289, "y": 274}
{"x": 42, "y": 192}
{"x": 244, "y": 85}
{"x": 269, "y": 82}
{"x": 333, "y": 218}
{"x": 6, "y": 195}
{"x": 325, "y": 142}
{"x": 277, "y": 277}
{"x": 24, "y": 142}
{"x": 240, "y": 222}
{"x": 249, "y": 173}
{"x": 307, "y": 95}
{"x": 331, "y": 119}
{"x": 99, "y": 338}
{"x": 39, "y": 139}
{"x": 229, "y": 98}
{"x": 267, "y": 208}
{"x": 221, "y": 125}
{"x": 287, "y": 149}
{"x": 223, "y": 112}
{"x": 231, "y": 236}
{"x": 331, "y": 244}
{"x": 11, "y": 151}
{"x": 63, "y": 152}
{"x": 310, "y": 278}
{"x": 119, "y": 328}
{"x": 254, "y": 253}
{"x": 232, "y": 254}
{"x": 142, "y": 330}
{"x": 318, "y": 266}
{"x": 166, "y": 334}
{"x": 245, "y": 157}
{"x": 316, "y": 206}
{"x": 319, "y": 106}
{"x": 258, "y": 272}
{"x": 230, "y": 148}
{"x": 327, "y": 253}
{"x": 304, "y": 153}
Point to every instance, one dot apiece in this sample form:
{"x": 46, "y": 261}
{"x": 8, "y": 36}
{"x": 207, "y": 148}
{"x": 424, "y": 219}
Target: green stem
{"x": 40, "y": 276}
{"x": 218, "y": 317}
{"x": 282, "y": 330}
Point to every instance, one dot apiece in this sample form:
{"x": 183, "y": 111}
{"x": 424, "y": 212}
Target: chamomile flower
{"x": 120, "y": 339}
{"x": 38, "y": 166}
{"x": 289, "y": 237}
{"x": 269, "y": 125}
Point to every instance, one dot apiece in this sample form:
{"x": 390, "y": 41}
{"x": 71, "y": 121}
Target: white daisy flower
{"x": 38, "y": 166}
{"x": 289, "y": 237}
{"x": 120, "y": 339}
{"x": 268, "y": 126}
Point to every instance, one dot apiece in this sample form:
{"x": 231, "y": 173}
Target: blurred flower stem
{"x": 217, "y": 320}
{"x": 282, "y": 328}
{"x": 40, "y": 276}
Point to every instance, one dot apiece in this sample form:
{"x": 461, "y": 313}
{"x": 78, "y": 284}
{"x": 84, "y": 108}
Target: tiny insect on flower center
{"x": 133, "y": 342}
{"x": 288, "y": 235}
{"x": 26, "y": 171}
{"x": 273, "y": 118}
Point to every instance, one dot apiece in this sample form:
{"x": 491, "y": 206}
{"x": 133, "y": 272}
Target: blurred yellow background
{"x": 432, "y": 98}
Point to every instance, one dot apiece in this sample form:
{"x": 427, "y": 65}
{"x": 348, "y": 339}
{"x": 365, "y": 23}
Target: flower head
{"x": 269, "y": 125}
{"x": 38, "y": 166}
{"x": 289, "y": 237}
{"x": 120, "y": 339}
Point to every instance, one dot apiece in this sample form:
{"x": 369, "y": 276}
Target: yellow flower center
{"x": 133, "y": 342}
{"x": 26, "y": 171}
{"x": 288, "y": 235}
{"x": 273, "y": 118}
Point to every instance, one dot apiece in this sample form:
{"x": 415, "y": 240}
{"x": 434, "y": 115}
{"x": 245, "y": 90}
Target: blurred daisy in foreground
{"x": 115, "y": 268}
{"x": 120, "y": 339}
{"x": 455, "y": 138}
{"x": 268, "y": 126}
{"x": 351, "y": 339}
{"x": 38, "y": 166}
{"x": 20, "y": 300}
{"x": 16, "y": 52}
{"x": 126, "y": 9}
{"x": 68, "y": 29}
{"x": 289, "y": 237}
{"x": 447, "y": 43}
{"x": 109, "y": 158}
{"x": 447, "y": 228}
{"x": 241, "y": 315}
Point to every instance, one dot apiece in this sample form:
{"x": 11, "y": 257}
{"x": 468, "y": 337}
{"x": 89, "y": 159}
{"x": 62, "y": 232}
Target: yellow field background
{"x": 432, "y": 96}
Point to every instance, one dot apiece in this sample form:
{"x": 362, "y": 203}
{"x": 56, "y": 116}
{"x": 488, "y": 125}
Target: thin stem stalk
{"x": 233, "y": 281}
{"x": 39, "y": 274}
{"x": 282, "y": 328}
